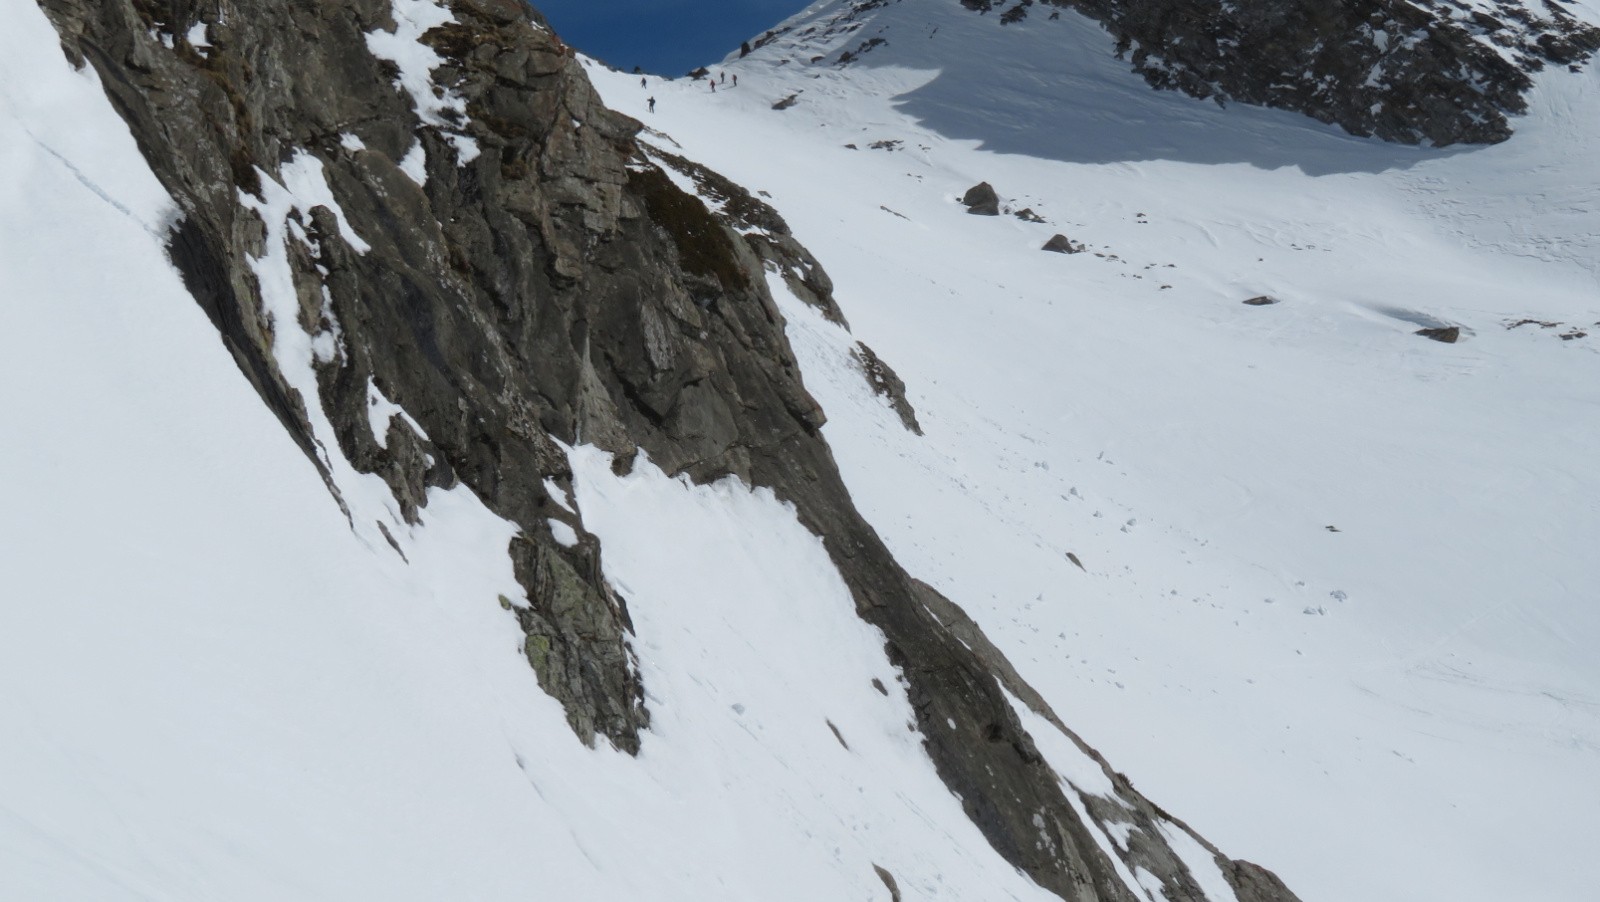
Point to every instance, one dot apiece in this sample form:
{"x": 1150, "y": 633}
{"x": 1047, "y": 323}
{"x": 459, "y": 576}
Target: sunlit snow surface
{"x": 1405, "y": 708}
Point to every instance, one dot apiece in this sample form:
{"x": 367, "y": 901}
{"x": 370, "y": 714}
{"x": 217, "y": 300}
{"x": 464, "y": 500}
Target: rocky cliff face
{"x": 463, "y": 230}
{"x": 1412, "y": 71}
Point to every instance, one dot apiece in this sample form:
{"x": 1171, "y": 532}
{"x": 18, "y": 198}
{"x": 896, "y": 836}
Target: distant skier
{"x": 642, "y": 82}
{"x": 713, "y": 85}
{"x": 652, "y": 104}
{"x": 724, "y": 76}
{"x": 736, "y": 80}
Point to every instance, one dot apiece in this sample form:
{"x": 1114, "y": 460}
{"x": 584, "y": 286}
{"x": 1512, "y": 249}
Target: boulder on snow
{"x": 1448, "y": 334}
{"x": 981, "y": 200}
{"x": 1026, "y": 214}
{"x": 787, "y": 102}
{"x": 1061, "y": 244}
{"x": 1265, "y": 300}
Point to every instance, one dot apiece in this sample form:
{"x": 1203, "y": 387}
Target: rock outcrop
{"x": 1061, "y": 244}
{"x": 526, "y": 275}
{"x": 981, "y": 200}
{"x": 1410, "y": 71}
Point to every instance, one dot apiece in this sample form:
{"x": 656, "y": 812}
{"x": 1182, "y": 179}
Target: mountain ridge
{"x": 509, "y": 277}
{"x": 1431, "y": 73}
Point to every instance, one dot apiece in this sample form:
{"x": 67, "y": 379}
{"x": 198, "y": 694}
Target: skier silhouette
{"x": 652, "y": 104}
{"x": 641, "y": 82}
{"x": 736, "y": 81}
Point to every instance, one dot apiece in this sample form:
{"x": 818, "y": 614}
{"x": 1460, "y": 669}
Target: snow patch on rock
{"x": 436, "y": 105}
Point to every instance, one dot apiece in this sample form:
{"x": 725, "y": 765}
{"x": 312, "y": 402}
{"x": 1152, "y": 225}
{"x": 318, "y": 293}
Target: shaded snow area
{"x": 213, "y": 685}
{"x": 1336, "y": 608}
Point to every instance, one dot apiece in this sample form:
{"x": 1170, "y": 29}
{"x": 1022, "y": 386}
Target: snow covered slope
{"x": 1336, "y": 605}
{"x": 1316, "y": 583}
{"x": 216, "y": 684}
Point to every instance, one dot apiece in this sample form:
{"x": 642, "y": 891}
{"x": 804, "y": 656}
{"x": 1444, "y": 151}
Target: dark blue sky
{"x": 667, "y": 37}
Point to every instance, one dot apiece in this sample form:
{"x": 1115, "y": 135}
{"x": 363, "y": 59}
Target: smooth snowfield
{"x": 213, "y": 687}
{"x": 1403, "y": 706}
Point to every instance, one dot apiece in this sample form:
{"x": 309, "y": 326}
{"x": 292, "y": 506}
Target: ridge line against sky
{"x": 665, "y": 37}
